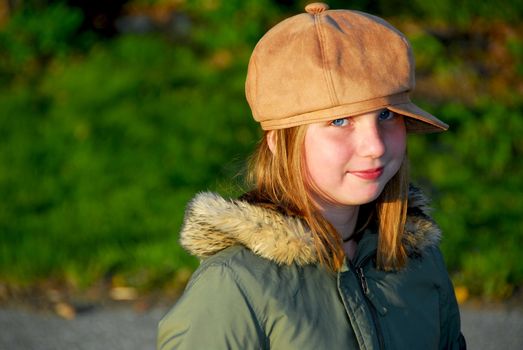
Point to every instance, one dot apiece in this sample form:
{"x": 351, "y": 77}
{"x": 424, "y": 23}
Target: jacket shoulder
{"x": 237, "y": 259}
{"x": 250, "y": 270}
{"x": 217, "y": 299}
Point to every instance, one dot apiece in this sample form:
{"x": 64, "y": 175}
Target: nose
{"x": 370, "y": 140}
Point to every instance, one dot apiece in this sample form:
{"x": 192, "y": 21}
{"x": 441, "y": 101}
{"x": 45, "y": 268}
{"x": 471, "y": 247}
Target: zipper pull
{"x": 363, "y": 280}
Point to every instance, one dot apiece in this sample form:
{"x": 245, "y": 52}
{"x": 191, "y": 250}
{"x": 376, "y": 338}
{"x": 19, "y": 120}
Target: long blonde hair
{"x": 279, "y": 177}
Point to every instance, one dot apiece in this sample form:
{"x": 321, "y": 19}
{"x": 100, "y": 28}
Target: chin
{"x": 364, "y": 198}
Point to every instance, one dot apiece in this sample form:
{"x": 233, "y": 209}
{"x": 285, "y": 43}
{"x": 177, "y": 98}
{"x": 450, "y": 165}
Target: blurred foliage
{"x": 103, "y": 139}
{"x": 101, "y": 150}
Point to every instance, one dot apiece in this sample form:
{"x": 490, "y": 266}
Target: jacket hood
{"x": 213, "y": 223}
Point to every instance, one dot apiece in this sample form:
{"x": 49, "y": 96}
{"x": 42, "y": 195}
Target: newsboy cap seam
{"x": 325, "y": 64}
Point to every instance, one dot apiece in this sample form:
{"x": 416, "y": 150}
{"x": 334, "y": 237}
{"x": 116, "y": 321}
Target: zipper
{"x": 363, "y": 280}
{"x": 365, "y": 288}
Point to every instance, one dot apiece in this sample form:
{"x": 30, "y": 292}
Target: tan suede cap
{"x": 328, "y": 64}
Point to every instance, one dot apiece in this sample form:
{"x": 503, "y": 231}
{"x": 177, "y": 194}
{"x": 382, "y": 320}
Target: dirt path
{"x": 123, "y": 328}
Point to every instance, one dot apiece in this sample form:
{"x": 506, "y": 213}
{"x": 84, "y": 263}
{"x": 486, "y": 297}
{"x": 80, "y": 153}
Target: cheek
{"x": 322, "y": 159}
{"x": 327, "y": 154}
{"x": 396, "y": 140}
{"x": 314, "y": 157}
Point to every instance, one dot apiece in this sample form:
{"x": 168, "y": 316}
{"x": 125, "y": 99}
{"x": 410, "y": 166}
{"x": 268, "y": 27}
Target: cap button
{"x": 316, "y": 8}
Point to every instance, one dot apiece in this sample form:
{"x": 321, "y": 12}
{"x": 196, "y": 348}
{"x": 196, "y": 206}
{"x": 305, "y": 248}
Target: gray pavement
{"x": 123, "y": 328}
{"x": 492, "y": 328}
{"x": 97, "y": 329}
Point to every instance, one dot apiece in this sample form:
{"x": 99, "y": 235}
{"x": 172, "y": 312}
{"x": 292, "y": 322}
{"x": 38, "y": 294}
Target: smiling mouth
{"x": 369, "y": 174}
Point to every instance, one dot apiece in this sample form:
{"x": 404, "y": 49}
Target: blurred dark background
{"x": 114, "y": 113}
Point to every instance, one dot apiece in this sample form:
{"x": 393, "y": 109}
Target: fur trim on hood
{"x": 213, "y": 223}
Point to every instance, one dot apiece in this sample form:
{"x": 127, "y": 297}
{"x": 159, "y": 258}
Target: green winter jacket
{"x": 259, "y": 286}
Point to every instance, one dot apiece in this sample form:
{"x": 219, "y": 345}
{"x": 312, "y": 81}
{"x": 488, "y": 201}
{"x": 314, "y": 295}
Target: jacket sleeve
{"x": 214, "y": 312}
{"x": 450, "y": 324}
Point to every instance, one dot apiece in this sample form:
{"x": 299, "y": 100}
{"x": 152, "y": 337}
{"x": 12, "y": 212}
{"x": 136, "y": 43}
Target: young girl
{"x": 331, "y": 249}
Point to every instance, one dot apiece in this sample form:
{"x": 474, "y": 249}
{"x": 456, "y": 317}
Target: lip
{"x": 368, "y": 174}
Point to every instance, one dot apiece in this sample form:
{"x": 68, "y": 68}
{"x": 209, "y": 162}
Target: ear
{"x": 271, "y": 140}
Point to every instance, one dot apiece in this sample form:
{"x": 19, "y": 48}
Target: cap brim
{"x": 418, "y": 120}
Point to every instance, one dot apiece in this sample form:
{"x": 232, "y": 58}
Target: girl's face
{"x": 350, "y": 160}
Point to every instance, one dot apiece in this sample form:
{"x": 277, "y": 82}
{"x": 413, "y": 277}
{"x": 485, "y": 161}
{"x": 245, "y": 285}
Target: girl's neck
{"x": 344, "y": 219}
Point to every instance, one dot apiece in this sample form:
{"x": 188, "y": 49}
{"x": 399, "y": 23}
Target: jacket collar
{"x": 213, "y": 223}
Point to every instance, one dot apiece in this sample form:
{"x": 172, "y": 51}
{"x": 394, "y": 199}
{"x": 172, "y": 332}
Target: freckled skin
{"x": 336, "y": 151}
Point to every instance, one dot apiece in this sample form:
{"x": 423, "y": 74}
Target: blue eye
{"x": 385, "y": 115}
{"x": 339, "y": 122}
